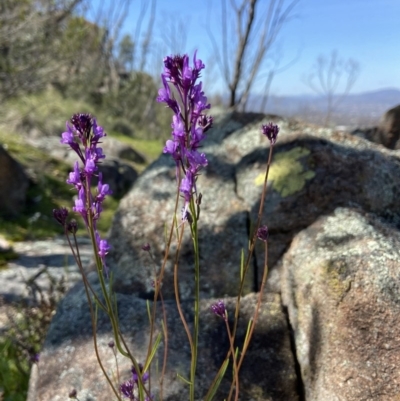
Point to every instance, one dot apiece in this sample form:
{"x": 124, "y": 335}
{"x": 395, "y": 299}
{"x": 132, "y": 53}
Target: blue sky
{"x": 367, "y": 31}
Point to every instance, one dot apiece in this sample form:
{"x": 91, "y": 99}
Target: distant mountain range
{"x": 354, "y": 110}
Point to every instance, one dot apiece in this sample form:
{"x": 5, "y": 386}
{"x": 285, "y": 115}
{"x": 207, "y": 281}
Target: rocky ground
{"x": 41, "y": 261}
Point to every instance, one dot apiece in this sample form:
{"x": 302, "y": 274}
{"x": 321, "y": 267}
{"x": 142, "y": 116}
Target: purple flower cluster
{"x": 127, "y": 388}
{"x": 83, "y": 137}
{"x": 263, "y": 233}
{"x": 219, "y": 309}
{"x": 186, "y": 99}
{"x": 271, "y": 131}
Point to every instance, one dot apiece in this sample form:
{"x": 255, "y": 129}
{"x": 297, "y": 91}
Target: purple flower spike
{"x": 262, "y": 233}
{"x": 219, "y": 309}
{"x": 271, "y": 132}
{"x": 189, "y": 124}
{"x": 82, "y": 124}
{"x": 83, "y": 136}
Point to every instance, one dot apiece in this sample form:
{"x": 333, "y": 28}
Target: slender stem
{"x": 195, "y": 238}
{"x": 95, "y": 341}
{"x": 235, "y": 366}
{"x": 79, "y": 263}
{"x": 255, "y": 316}
{"x": 116, "y": 364}
{"x": 157, "y": 288}
{"x": 206, "y": 398}
{"x": 176, "y": 290}
{"x": 165, "y": 330}
{"x": 109, "y": 307}
{"x": 258, "y": 307}
{"x": 252, "y": 243}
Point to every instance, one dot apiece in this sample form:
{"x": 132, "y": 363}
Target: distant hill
{"x": 362, "y": 109}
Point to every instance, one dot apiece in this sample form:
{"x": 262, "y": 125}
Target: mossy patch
{"x": 287, "y": 172}
{"x": 335, "y": 276}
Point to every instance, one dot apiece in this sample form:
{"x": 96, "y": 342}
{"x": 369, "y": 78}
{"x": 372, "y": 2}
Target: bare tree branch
{"x": 326, "y": 76}
{"x": 255, "y": 33}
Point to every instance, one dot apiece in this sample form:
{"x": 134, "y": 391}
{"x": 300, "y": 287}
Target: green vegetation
{"x": 48, "y": 190}
{"x": 47, "y": 112}
{"x": 13, "y": 376}
{"x": 54, "y": 64}
{"x": 22, "y": 340}
{"x": 5, "y": 257}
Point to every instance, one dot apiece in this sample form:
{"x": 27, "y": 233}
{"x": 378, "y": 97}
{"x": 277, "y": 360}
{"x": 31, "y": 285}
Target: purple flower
{"x": 187, "y": 185}
{"x": 262, "y": 233}
{"x": 146, "y": 247}
{"x": 219, "y": 309}
{"x": 72, "y": 226}
{"x": 196, "y": 137}
{"x": 83, "y": 136}
{"x": 103, "y": 249}
{"x": 178, "y": 129}
{"x": 205, "y": 122}
{"x": 98, "y": 133}
{"x": 102, "y": 190}
{"x": 270, "y": 131}
{"x": 68, "y": 138}
{"x": 196, "y": 160}
{"x": 80, "y": 205}
{"x": 164, "y": 95}
{"x": 135, "y": 377}
{"x": 82, "y": 124}
{"x": 61, "y": 215}
{"x": 127, "y": 389}
{"x": 74, "y": 178}
{"x": 188, "y": 123}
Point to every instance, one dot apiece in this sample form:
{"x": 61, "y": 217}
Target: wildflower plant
{"x": 183, "y": 93}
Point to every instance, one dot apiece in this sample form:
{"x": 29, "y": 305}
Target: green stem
{"x": 109, "y": 307}
{"x": 195, "y": 238}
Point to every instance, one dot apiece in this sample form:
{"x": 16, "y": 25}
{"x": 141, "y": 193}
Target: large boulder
{"x": 118, "y": 175}
{"x": 145, "y": 216}
{"x": 387, "y": 133}
{"x": 315, "y": 172}
{"x": 389, "y": 128}
{"x": 14, "y": 184}
{"x": 68, "y": 360}
{"x": 310, "y": 176}
{"x": 112, "y": 147}
{"x": 341, "y": 286}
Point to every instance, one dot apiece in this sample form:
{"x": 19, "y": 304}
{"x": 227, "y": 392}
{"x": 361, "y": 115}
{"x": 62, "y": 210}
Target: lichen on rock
{"x": 287, "y": 172}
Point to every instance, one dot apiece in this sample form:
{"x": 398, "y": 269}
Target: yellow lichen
{"x": 287, "y": 173}
{"x": 333, "y": 273}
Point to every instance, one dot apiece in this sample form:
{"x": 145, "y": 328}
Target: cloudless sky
{"x": 367, "y": 31}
